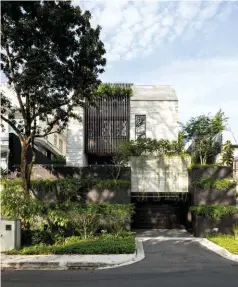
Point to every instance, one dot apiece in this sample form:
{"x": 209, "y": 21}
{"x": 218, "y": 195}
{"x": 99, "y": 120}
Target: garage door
{"x": 159, "y": 215}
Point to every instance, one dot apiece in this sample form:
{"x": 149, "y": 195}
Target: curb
{"x": 218, "y": 249}
{"x": 69, "y": 265}
{"x": 139, "y": 255}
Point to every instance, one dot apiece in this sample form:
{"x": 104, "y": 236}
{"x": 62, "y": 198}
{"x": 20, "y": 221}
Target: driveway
{"x": 172, "y": 258}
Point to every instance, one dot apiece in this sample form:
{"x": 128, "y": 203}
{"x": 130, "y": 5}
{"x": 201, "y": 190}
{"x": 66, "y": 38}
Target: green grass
{"x": 98, "y": 245}
{"x": 228, "y": 242}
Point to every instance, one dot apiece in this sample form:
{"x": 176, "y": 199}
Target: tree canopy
{"x": 52, "y": 58}
{"x": 202, "y": 130}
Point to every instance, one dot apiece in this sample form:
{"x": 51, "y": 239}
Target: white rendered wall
{"x": 75, "y": 142}
{"x": 161, "y": 118}
{"x": 159, "y": 174}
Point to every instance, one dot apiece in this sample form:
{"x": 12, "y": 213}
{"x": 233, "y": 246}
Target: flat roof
{"x": 153, "y": 93}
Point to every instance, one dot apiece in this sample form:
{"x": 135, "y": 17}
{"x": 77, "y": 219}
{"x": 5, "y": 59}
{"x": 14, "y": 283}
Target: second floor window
{"x": 140, "y": 127}
{"x": 55, "y": 140}
{"x": 60, "y": 145}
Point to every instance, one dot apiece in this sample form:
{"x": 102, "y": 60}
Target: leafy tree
{"x": 52, "y": 58}
{"x": 202, "y": 130}
{"x": 227, "y": 153}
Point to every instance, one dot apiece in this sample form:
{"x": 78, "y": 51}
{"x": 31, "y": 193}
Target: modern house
{"x": 47, "y": 148}
{"x": 151, "y": 112}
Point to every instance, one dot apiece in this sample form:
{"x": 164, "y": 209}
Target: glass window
{"x": 60, "y": 145}
{"x": 140, "y": 127}
{"x": 55, "y": 139}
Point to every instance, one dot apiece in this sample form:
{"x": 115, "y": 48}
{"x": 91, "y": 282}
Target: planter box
{"x": 213, "y": 196}
{"x": 203, "y": 225}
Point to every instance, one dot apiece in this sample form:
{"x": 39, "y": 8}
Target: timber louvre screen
{"x": 107, "y": 125}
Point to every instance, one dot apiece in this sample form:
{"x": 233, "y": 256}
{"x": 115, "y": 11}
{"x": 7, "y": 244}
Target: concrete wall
{"x": 87, "y": 193}
{"x": 208, "y": 196}
{"x": 160, "y": 105}
{"x": 159, "y": 174}
{"x": 75, "y": 142}
{"x": 203, "y": 226}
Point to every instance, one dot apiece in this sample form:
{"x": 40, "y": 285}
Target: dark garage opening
{"x": 160, "y": 211}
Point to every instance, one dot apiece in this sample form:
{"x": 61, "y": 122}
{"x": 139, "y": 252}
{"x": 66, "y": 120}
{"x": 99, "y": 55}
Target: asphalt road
{"x": 168, "y": 263}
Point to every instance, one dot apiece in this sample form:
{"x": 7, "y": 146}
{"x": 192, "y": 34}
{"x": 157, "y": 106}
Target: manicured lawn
{"x": 227, "y": 242}
{"x": 98, "y": 245}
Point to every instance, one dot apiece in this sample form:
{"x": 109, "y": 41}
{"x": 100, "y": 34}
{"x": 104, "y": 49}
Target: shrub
{"x": 34, "y": 237}
{"x": 16, "y": 205}
{"x": 113, "y": 184}
{"x": 219, "y": 184}
{"x": 214, "y": 211}
{"x": 59, "y": 216}
{"x": 99, "y": 245}
{"x": 227, "y": 153}
{"x": 235, "y": 230}
{"x": 85, "y": 219}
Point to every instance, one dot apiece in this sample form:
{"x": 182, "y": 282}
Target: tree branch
{"x": 14, "y": 82}
{"x": 13, "y": 126}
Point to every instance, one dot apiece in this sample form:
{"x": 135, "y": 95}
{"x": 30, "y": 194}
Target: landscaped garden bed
{"x": 228, "y": 242}
{"x": 104, "y": 244}
{"x": 65, "y": 225}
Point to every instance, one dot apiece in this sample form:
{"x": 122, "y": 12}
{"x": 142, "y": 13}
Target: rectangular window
{"x": 55, "y": 140}
{"x": 60, "y": 145}
{"x": 140, "y": 127}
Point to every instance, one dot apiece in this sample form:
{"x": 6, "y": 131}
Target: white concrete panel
{"x": 159, "y": 174}
{"x": 75, "y": 142}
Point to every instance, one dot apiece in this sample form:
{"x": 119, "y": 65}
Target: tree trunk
{"x": 25, "y": 168}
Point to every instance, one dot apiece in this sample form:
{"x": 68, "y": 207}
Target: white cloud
{"x": 149, "y": 22}
{"x": 202, "y": 86}
{"x": 188, "y": 10}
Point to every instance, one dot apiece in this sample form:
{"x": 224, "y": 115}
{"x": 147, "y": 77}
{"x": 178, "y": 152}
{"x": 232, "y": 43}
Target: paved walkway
{"x": 163, "y": 233}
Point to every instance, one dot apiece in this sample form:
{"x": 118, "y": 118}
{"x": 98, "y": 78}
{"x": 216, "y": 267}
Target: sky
{"x": 190, "y": 45}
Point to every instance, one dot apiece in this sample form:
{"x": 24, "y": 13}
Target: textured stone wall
{"x": 159, "y": 174}
{"x": 75, "y": 142}
{"x": 88, "y": 194}
{"x": 161, "y": 118}
{"x": 203, "y": 226}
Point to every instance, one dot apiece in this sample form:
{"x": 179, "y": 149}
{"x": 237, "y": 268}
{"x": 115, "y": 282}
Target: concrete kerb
{"x": 218, "y": 249}
{"x": 202, "y": 241}
{"x": 66, "y": 262}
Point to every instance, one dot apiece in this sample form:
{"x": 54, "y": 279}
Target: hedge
{"x": 100, "y": 245}
{"x": 214, "y": 211}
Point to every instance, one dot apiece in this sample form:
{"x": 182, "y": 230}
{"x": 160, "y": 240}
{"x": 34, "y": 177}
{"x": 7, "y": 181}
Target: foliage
{"x": 85, "y": 219}
{"x": 214, "y": 211}
{"x": 226, "y": 241}
{"x": 113, "y": 184}
{"x": 98, "y": 245}
{"x": 58, "y": 216}
{"x": 4, "y": 172}
{"x": 34, "y": 237}
{"x": 149, "y": 146}
{"x": 227, "y": 153}
{"x": 219, "y": 184}
{"x": 235, "y": 230}
{"x": 16, "y": 205}
{"x": 60, "y": 159}
{"x": 66, "y": 189}
{"x": 88, "y": 218}
{"x": 202, "y": 130}
{"x": 193, "y": 166}
{"x": 52, "y": 58}
{"x": 113, "y": 91}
